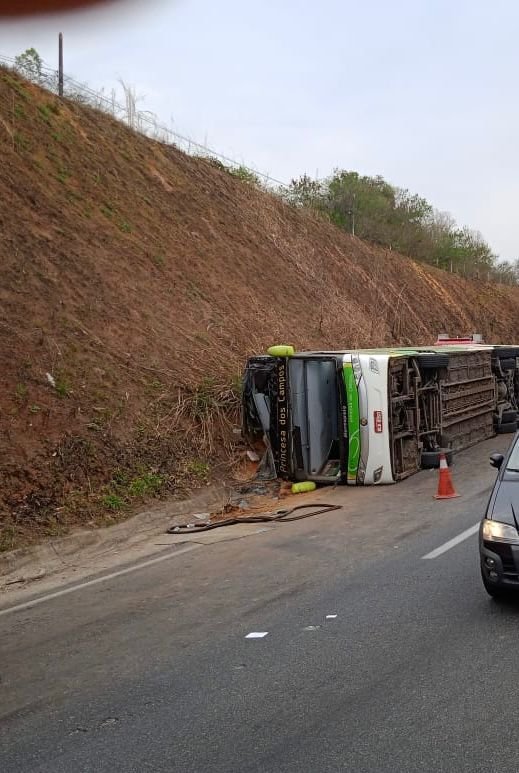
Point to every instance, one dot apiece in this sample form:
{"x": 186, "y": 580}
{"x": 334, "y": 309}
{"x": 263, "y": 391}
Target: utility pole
{"x": 60, "y": 65}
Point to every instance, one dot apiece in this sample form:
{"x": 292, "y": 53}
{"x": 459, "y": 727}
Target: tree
{"x": 376, "y": 211}
{"x": 410, "y": 233}
{"x": 361, "y": 205}
{"x": 30, "y": 65}
{"x": 305, "y": 192}
{"x": 504, "y": 272}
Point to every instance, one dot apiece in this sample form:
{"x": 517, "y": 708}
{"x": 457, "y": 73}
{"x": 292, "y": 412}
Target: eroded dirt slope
{"x": 134, "y": 282}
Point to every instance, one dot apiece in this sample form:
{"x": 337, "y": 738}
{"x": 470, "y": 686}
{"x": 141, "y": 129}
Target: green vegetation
{"x": 107, "y": 210}
{"x": 124, "y": 488}
{"x": 215, "y": 162}
{"x": 146, "y": 484}
{"x": 113, "y": 502}
{"x": 62, "y": 175}
{"x": 21, "y": 393}
{"x": 45, "y": 113}
{"x": 159, "y": 260}
{"x": 199, "y": 469}
{"x": 373, "y": 209}
{"x": 30, "y": 65}
{"x": 237, "y": 385}
{"x": 16, "y": 86}
{"x": 204, "y": 399}
{"x": 21, "y": 142}
{"x": 63, "y": 387}
{"x": 244, "y": 174}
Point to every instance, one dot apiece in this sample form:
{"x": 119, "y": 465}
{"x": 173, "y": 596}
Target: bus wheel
{"x": 431, "y": 459}
{"x": 432, "y": 361}
{"x": 504, "y": 352}
{"x": 508, "y": 364}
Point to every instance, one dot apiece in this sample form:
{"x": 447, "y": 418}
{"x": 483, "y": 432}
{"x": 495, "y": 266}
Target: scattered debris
{"x": 258, "y": 517}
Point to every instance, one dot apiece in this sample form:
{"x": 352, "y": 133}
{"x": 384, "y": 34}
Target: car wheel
{"x": 430, "y": 460}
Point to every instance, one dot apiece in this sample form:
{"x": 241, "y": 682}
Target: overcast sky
{"x": 423, "y": 92}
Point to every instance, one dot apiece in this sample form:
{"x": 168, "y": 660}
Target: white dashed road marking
{"x": 257, "y": 635}
{"x": 453, "y": 542}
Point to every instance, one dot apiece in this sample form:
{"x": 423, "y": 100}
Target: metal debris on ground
{"x": 279, "y": 515}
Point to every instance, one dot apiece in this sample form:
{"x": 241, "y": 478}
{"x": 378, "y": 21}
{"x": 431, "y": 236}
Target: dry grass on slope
{"x": 140, "y": 279}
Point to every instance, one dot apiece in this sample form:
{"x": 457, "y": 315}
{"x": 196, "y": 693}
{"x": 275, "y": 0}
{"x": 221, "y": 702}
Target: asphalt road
{"x": 152, "y": 670}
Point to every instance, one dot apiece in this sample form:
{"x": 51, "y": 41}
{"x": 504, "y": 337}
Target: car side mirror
{"x": 496, "y": 460}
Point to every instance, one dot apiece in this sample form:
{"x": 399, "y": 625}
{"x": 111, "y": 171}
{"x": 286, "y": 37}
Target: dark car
{"x": 499, "y": 530}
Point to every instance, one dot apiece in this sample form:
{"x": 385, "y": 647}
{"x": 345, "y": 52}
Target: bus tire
{"x": 507, "y": 429}
{"x": 432, "y": 361}
{"x": 508, "y": 363}
{"x": 505, "y": 352}
{"x": 431, "y": 459}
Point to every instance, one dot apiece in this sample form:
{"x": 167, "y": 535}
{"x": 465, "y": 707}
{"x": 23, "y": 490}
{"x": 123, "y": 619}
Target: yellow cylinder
{"x": 301, "y": 488}
{"x": 281, "y": 351}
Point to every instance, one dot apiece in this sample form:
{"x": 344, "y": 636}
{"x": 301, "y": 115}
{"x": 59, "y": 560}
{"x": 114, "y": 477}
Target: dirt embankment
{"x": 134, "y": 282}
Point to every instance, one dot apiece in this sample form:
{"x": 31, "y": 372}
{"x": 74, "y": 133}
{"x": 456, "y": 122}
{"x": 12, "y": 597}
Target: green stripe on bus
{"x": 352, "y": 401}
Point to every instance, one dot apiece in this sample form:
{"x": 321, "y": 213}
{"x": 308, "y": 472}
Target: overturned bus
{"x": 376, "y": 416}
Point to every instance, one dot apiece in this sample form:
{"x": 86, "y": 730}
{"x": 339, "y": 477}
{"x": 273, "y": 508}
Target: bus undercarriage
{"x": 315, "y": 415}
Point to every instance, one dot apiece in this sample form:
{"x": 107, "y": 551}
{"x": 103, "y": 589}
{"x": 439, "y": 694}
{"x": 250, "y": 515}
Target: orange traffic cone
{"x": 445, "y": 488}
